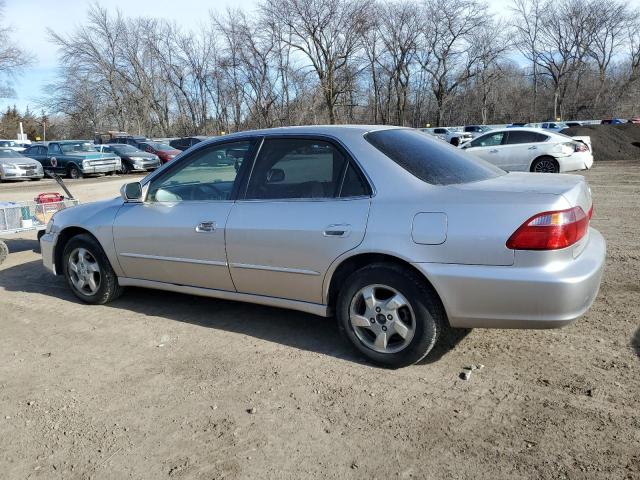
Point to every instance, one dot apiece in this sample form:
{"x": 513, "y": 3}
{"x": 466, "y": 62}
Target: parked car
{"x": 14, "y": 166}
{"x": 612, "y": 121}
{"x": 163, "y": 151}
{"x": 573, "y": 124}
{"x": 634, "y": 120}
{"x": 132, "y": 159}
{"x": 450, "y": 136}
{"x": 476, "y": 130}
{"x": 397, "y": 234}
{"x": 185, "y": 142}
{"x": 532, "y": 150}
{"x": 12, "y": 144}
{"x": 74, "y": 158}
{"x": 554, "y": 126}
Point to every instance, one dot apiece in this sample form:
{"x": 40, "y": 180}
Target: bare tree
{"x": 13, "y": 59}
{"x": 327, "y": 33}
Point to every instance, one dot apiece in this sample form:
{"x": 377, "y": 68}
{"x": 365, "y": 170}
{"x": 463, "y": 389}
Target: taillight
{"x": 581, "y": 147}
{"x": 551, "y": 230}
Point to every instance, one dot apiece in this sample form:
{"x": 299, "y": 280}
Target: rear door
{"x": 520, "y": 148}
{"x": 306, "y": 203}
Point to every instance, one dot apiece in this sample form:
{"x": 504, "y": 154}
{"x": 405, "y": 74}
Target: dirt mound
{"x": 611, "y": 142}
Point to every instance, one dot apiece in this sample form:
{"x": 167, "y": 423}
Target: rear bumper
{"x": 577, "y": 161}
{"x": 478, "y": 296}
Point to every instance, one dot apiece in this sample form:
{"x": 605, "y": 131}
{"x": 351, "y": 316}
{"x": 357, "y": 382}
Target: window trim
{"x": 171, "y": 166}
{"x": 337, "y": 144}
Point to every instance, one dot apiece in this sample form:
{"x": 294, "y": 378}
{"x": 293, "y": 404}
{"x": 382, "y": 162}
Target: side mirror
{"x": 131, "y": 192}
{"x": 275, "y": 175}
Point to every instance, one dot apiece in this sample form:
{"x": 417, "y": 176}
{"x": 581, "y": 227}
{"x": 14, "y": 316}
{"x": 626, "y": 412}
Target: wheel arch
{"x": 344, "y": 267}
{"x": 63, "y": 238}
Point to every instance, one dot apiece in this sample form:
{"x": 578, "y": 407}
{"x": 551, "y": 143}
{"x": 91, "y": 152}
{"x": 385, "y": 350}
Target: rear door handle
{"x": 337, "y": 230}
{"x": 206, "y": 227}
{"x": 495, "y": 150}
{"x": 533, "y": 148}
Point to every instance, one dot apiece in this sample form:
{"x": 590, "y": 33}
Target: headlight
{"x": 85, "y": 163}
{"x": 137, "y": 159}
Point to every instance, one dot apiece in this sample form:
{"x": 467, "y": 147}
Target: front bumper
{"x": 144, "y": 166}
{"x": 20, "y": 174}
{"x": 100, "y": 169}
{"x": 47, "y": 247}
{"x": 550, "y": 296}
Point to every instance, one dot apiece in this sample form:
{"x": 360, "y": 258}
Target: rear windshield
{"x": 430, "y": 160}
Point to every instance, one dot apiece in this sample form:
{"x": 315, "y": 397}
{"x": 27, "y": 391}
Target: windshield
{"x": 160, "y": 146}
{"x": 77, "y": 147}
{"x": 121, "y": 148}
{"x": 431, "y": 161}
{"x": 8, "y": 143}
{"x": 9, "y": 154}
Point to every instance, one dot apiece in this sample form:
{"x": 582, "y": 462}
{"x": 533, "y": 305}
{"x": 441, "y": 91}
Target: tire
{"x": 545, "y": 165}
{"x": 422, "y": 314}
{"x": 455, "y": 141}
{"x": 125, "y": 168}
{"x": 4, "y": 251}
{"x": 105, "y": 280}
{"x": 74, "y": 172}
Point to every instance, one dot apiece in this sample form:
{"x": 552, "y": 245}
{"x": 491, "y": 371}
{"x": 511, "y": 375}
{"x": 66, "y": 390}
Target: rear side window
{"x": 431, "y": 161}
{"x": 515, "y": 137}
{"x": 296, "y": 168}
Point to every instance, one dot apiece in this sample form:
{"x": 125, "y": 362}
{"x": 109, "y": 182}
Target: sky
{"x": 31, "y": 18}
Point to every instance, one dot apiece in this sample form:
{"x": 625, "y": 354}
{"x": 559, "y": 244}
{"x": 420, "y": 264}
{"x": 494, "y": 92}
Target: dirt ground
{"x": 160, "y": 385}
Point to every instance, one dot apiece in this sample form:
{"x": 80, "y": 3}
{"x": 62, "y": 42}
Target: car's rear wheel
{"x": 545, "y": 165}
{"x": 88, "y": 271}
{"x": 74, "y": 172}
{"x": 390, "y": 314}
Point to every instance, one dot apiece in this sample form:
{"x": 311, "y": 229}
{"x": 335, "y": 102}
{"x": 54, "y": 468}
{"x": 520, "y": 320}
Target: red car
{"x": 165, "y": 152}
{"x": 634, "y": 120}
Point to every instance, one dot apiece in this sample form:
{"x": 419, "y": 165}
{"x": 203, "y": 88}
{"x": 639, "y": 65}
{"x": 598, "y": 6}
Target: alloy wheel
{"x": 382, "y": 318}
{"x": 545, "y": 166}
{"x": 84, "y": 271}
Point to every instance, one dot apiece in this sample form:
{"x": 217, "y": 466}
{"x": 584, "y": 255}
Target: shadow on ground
{"x": 294, "y": 329}
{"x": 21, "y": 245}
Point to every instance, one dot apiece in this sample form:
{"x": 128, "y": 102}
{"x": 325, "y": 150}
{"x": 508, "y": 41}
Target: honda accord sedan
{"x": 397, "y": 234}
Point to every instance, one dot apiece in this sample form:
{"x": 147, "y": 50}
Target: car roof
{"x": 311, "y": 130}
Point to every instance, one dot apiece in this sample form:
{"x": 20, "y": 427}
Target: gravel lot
{"x": 160, "y": 385}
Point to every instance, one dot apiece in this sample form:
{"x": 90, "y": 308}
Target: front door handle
{"x": 495, "y": 150}
{"x": 337, "y": 230}
{"x": 206, "y": 227}
{"x": 533, "y": 147}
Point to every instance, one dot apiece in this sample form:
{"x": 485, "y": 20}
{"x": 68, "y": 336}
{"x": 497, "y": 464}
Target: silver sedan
{"x": 398, "y": 235}
{"x": 15, "y": 166}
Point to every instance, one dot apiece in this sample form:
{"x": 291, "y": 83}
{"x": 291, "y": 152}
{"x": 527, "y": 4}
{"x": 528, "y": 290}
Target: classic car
{"x": 73, "y": 158}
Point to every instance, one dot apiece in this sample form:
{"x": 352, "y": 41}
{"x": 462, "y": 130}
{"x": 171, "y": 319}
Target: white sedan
{"x": 532, "y": 150}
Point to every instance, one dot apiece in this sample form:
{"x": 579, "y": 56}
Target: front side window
{"x": 289, "y": 168}
{"x": 489, "y": 140}
{"x": 206, "y": 175}
{"x": 430, "y": 160}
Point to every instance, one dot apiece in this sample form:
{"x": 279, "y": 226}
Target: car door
{"x": 306, "y": 203}
{"x": 55, "y": 158}
{"x": 488, "y": 147}
{"x": 177, "y": 235}
{"x": 520, "y": 148}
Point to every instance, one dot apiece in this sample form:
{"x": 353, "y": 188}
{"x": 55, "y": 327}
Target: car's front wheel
{"x": 390, "y": 314}
{"x": 88, "y": 271}
{"x": 74, "y": 172}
